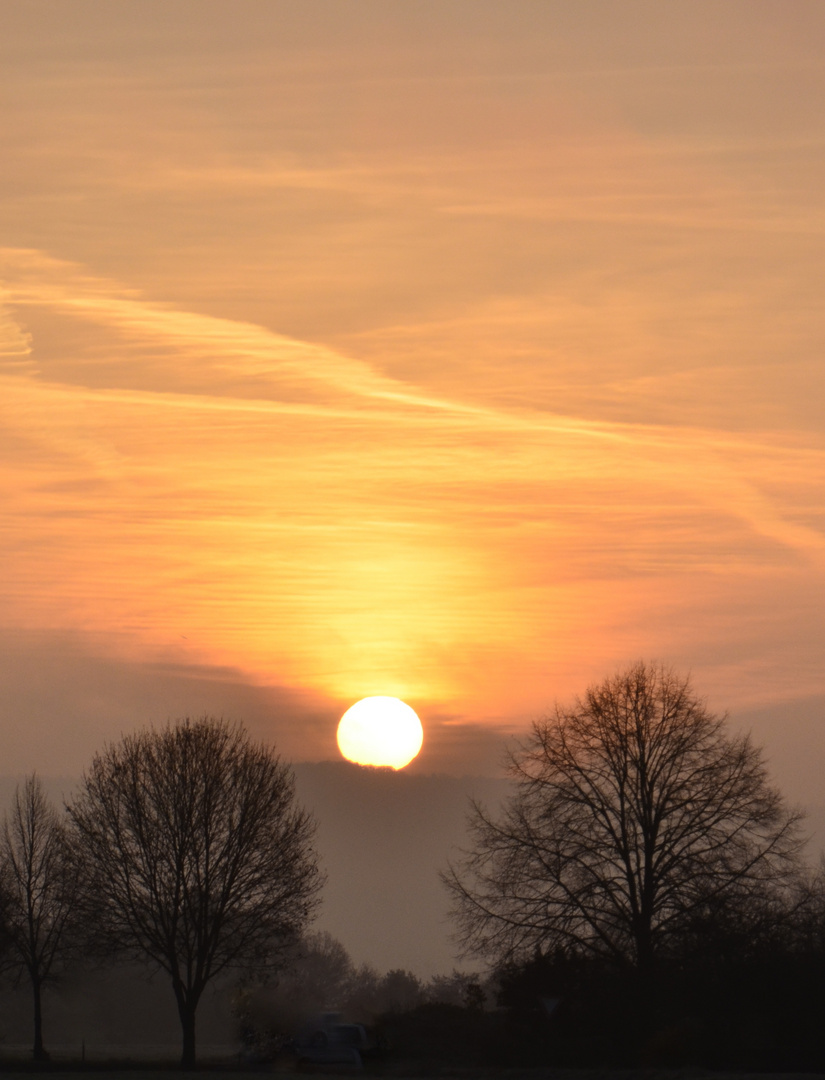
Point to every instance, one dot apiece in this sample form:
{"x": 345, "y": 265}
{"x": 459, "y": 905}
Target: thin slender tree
{"x": 196, "y": 855}
{"x": 636, "y": 814}
{"x": 38, "y": 892}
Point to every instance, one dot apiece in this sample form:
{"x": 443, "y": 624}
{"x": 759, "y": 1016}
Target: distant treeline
{"x": 733, "y": 1000}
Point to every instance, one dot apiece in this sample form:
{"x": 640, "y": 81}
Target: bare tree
{"x": 321, "y": 974}
{"x": 315, "y": 979}
{"x": 38, "y": 887}
{"x": 635, "y": 812}
{"x": 197, "y": 856}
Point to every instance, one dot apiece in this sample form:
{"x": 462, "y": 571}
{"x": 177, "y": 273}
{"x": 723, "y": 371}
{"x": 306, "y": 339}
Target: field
{"x": 392, "y": 1071}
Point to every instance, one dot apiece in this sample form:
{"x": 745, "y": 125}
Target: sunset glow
{"x": 465, "y": 354}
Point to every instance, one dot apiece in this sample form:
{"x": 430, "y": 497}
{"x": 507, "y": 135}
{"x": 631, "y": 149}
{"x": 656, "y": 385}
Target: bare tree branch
{"x": 634, "y": 812}
{"x": 38, "y": 890}
{"x": 196, "y": 854}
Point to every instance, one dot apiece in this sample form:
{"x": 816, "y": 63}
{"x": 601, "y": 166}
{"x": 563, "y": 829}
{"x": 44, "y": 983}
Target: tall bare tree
{"x": 197, "y": 855}
{"x": 635, "y": 813}
{"x": 38, "y": 889}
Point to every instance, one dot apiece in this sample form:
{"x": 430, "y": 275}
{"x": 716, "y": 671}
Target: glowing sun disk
{"x": 380, "y": 731}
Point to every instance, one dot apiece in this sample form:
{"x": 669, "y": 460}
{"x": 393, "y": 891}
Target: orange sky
{"x": 458, "y": 351}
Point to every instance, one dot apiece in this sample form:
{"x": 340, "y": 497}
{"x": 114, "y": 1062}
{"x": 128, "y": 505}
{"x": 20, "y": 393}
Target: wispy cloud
{"x": 357, "y": 530}
{"x": 445, "y": 353}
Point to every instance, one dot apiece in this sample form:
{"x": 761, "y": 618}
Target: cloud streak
{"x": 448, "y": 355}
{"x": 364, "y": 531}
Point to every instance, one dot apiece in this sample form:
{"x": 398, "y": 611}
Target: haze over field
{"x": 462, "y": 352}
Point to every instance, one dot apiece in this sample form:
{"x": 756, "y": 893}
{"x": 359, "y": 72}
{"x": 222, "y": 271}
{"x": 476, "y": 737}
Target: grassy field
{"x": 396, "y": 1070}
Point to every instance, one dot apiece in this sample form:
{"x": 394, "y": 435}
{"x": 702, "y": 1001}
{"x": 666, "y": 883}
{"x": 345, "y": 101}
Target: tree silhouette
{"x": 196, "y": 855}
{"x": 316, "y": 979}
{"x": 38, "y": 889}
{"x": 635, "y": 813}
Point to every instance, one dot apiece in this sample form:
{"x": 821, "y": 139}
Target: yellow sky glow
{"x": 459, "y": 359}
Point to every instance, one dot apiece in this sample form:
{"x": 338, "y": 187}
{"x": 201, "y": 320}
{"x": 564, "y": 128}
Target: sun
{"x": 380, "y": 731}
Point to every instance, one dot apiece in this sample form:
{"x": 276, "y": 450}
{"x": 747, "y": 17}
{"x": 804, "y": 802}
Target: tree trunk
{"x": 38, "y": 1052}
{"x": 187, "y": 1058}
{"x": 644, "y": 952}
{"x": 187, "y": 1006}
{"x": 643, "y": 940}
